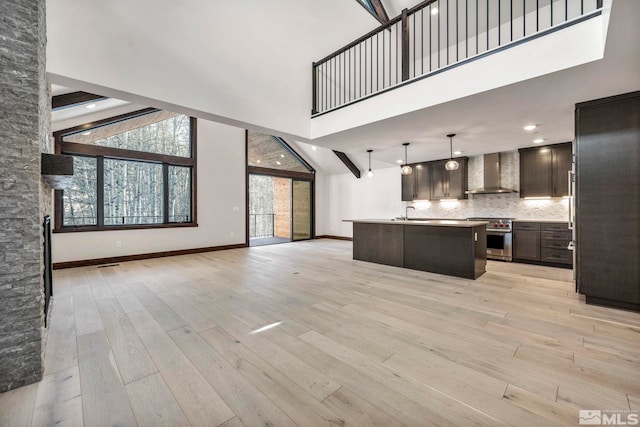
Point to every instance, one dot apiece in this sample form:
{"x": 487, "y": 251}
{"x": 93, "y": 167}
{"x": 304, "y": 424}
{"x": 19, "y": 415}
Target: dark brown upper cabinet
{"x": 408, "y": 187}
{"x": 431, "y": 181}
{"x": 449, "y": 184}
{"x": 544, "y": 170}
{"x": 417, "y": 185}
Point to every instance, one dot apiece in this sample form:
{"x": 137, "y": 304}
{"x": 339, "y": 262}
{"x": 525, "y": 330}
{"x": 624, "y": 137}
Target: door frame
{"x": 277, "y": 173}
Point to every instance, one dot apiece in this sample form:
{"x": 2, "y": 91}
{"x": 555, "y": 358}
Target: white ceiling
{"x": 488, "y": 122}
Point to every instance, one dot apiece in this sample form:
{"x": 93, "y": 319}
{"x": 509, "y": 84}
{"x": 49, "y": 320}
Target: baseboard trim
{"x": 328, "y": 236}
{"x": 138, "y": 257}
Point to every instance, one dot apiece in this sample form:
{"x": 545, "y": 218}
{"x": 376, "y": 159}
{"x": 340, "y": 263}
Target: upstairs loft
{"x": 442, "y": 50}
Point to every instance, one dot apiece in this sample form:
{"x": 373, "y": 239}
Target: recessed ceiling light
{"x": 282, "y": 155}
{"x": 434, "y": 11}
{"x": 278, "y": 163}
{"x": 91, "y": 106}
{"x": 86, "y": 133}
{"x": 314, "y": 148}
{"x": 529, "y": 128}
{"x": 399, "y": 162}
{"x": 457, "y": 153}
{"x": 257, "y": 161}
{"x": 538, "y": 140}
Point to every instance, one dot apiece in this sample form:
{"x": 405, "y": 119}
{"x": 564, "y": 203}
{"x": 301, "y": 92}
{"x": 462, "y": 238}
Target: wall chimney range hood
{"x": 491, "y": 177}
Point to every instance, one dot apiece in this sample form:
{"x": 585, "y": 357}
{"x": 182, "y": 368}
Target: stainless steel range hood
{"x": 491, "y": 177}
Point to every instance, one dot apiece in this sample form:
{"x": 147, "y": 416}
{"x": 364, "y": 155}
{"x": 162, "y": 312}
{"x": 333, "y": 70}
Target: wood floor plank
{"x": 153, "y": 404}
{"x": 634, "y": 403}
{"x": 300, "y": 406}
{"x": 86, "y": 311}
{"x": 161, "y": 312}
{"x": 61, "y": 351}
{"x": 200, "y": 402}
{"x": 104, "y": 399}
{"x": 58, "y": 400}
{"x": 357, "y": 411}
{"x": 552, "y": 411}
{"x": 131, "y": 356}
{"x": 250, "y": 405}
{"x": 17, "y": 406}
{"x": 233, "y": 422}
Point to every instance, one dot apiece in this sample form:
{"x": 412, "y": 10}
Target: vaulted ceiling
{"x": 249, "y": 65}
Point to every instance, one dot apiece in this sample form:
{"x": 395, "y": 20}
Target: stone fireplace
{"x": 25, "y": 199}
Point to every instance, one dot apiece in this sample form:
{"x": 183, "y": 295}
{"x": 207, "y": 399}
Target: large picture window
{"x": 131, "y": 171}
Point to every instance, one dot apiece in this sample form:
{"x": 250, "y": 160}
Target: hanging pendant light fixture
{"x": 451, "y": 165}
{"x": 406, "y": 169}
{"x": 369, "y": 172}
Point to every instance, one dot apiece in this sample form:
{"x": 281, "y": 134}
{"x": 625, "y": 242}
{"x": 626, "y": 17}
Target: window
{"x": 131, "y": 171}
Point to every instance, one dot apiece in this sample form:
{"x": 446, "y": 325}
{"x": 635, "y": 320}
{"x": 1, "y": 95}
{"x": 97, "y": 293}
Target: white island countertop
{"x": 429, "y": 222}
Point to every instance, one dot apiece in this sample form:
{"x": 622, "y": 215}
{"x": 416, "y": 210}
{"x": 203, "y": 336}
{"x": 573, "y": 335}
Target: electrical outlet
{"x": 231, "y": 234}
{"x": 118, "y": 243}
{"x": 236, "y": 208}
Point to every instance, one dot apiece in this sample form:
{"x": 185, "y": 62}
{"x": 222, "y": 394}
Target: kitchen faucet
{"x": 406, "y": 211}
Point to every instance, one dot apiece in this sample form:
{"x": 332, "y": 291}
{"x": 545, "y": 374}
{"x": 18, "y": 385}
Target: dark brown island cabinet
{"x": 544, "y": 170}
{"x": 431, "y": 181}
{"x": 454, "y": 248}
{"x": 543, "y": 243}
{"x": 608, "y": 201}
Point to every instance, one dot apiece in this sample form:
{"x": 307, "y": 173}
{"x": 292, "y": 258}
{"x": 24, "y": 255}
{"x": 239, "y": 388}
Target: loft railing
{"x": 431, "y": 37}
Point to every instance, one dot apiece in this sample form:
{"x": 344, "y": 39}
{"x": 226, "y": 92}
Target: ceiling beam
{"x": 380, "y": 11}
{"x": 73, "y": 99}
{"x": 348, "y": 163}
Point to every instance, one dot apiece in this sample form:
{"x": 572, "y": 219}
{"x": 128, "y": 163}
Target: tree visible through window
{"x": 130, "y": 172}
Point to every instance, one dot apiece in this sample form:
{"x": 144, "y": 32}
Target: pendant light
{"x": 451, "y": 165}
{"x": 406, "y": 169}
{"x": 369, "y": 172}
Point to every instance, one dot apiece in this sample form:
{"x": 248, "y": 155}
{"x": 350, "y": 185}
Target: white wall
{"x": 380, "y": 197}
{"x": 347, "y": 197}
{"x": 221, "y": 207}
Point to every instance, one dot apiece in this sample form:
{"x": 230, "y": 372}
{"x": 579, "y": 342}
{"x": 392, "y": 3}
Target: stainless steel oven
{"x": 499, "y": 238}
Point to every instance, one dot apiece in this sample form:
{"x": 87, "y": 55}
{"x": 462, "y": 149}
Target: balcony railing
{"x": 432, "y": 37}
{"x": 261, "y": 225}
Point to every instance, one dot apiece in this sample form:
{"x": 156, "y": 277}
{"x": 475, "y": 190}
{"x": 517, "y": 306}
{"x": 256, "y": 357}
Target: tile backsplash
{"x": 508, "y": 205}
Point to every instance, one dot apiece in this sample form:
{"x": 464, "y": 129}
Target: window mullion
{"x": 165, "y": 193}
{"x": 100, "y": 190}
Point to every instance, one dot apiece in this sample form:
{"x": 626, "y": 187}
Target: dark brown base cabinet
{"x": 454, "y": 251}
{"x": 542, "y": 243}
{"x": 608, "y": 201}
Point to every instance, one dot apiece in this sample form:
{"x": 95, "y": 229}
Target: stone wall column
{"x": 24, "y": 124}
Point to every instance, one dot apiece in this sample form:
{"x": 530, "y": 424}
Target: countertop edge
{"x": 430, "y": 223}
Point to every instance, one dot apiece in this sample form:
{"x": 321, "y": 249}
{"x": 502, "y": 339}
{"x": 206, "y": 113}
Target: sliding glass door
{"x": 302, "y": 209}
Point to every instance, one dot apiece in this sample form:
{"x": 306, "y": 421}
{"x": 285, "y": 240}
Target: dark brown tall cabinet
{"x": 544, "y": 170}
{"x": 608, "y": 201}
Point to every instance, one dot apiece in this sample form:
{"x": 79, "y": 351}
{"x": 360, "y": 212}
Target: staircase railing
{"x": 431, "y": 37}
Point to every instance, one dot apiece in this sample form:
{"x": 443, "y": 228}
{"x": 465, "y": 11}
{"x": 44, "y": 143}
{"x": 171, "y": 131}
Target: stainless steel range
{"x": 499, "y": 238}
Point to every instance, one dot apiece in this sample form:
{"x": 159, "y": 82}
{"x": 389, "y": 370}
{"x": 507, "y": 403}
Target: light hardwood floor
{"x": 182, "y": 341}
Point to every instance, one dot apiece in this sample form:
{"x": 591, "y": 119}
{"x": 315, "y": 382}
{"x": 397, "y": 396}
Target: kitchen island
{"x": 454, "y": 248}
